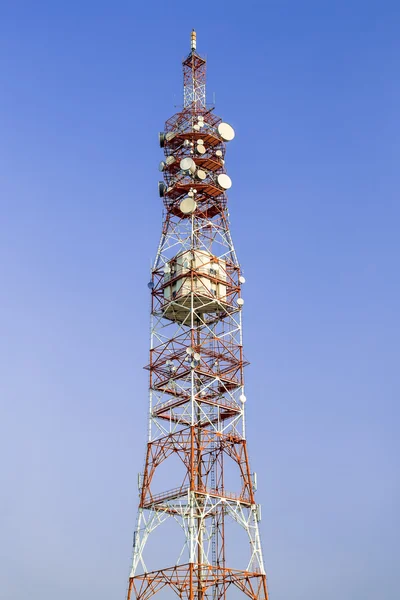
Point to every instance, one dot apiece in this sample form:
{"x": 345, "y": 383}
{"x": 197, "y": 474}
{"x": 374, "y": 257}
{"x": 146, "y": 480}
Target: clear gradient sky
{"x": 312, "y": 89}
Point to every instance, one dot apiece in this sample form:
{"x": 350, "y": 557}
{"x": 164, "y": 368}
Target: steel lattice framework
{"x": 195, "y": 369}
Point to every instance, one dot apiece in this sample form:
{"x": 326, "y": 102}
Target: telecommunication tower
{"x": 197, "y": 400}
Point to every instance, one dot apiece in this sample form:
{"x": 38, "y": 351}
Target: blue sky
{"x": 313, "y": 92}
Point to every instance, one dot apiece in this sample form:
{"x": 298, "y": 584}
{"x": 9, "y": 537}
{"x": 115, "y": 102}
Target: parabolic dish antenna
{"x": 201, "y": 174}
{"x": 170, "y": 160}
{"x": 201, "y": 149}
{"x": 224, "y": 181}
{"x": 240, "y": 301}
{"x": 161, "y": 188}
{"x": 161, "y": 139}
{"x": 226, "y": 132}
{"x": 161, "y": 166}
{"x": 242, "y": 398}
{"x": 218, "y": 153}
{"x": 242, "y": 279}
{"x": 188, "y": 205}
{"x": 188, "y": 164}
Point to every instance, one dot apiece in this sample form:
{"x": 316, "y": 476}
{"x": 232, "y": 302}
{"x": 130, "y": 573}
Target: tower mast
{"x": 196, "y": 384}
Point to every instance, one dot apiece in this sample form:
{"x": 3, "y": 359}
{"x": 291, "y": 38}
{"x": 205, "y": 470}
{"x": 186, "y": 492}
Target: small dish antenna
{"x": 224, "y": 181}
{"x": 242, "y": 279}
{"x": 188, "y": 165}
{"x": 188, "y": 205}
{"x": 226, "y": 132}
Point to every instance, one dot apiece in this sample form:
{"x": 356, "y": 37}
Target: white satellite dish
{"x": 188, "y": 205}
{"x": 161, "y": 166}
{"x": 242, "y": 398}
{"x": 189, "y": 350}
{"x": 170, "y": 160}
{"x": 186, "y": 143}
{"x": 240, "y": 301}
{"x": 200, "y": 174}
{"x": 226, "y": 132}
{"x": 188, "y": 165}
{"x": 242, "y": 279}
{"x": 219, "y": 153}
{"x": 196, "y": 127}
{"x": 224, "y": 181}
{"x": 201, "y": 149}
{"x": 196, "y": 356}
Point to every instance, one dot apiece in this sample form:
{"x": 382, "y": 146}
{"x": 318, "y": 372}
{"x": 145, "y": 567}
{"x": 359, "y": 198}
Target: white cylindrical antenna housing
{"x": 193, "y": 40}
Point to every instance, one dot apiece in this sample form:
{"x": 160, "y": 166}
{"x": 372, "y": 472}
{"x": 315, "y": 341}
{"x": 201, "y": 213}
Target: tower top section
{"x": 194, "y": 78}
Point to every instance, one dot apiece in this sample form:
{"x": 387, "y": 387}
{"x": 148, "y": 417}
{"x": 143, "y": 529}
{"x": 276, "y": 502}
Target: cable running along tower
{"x": 196, "y": 474}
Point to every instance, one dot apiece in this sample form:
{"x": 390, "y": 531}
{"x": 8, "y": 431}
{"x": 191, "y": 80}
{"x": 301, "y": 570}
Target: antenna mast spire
{"x": 194, "y": 78}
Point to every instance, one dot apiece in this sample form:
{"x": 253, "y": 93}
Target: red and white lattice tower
{"x": 197, "y": 400}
